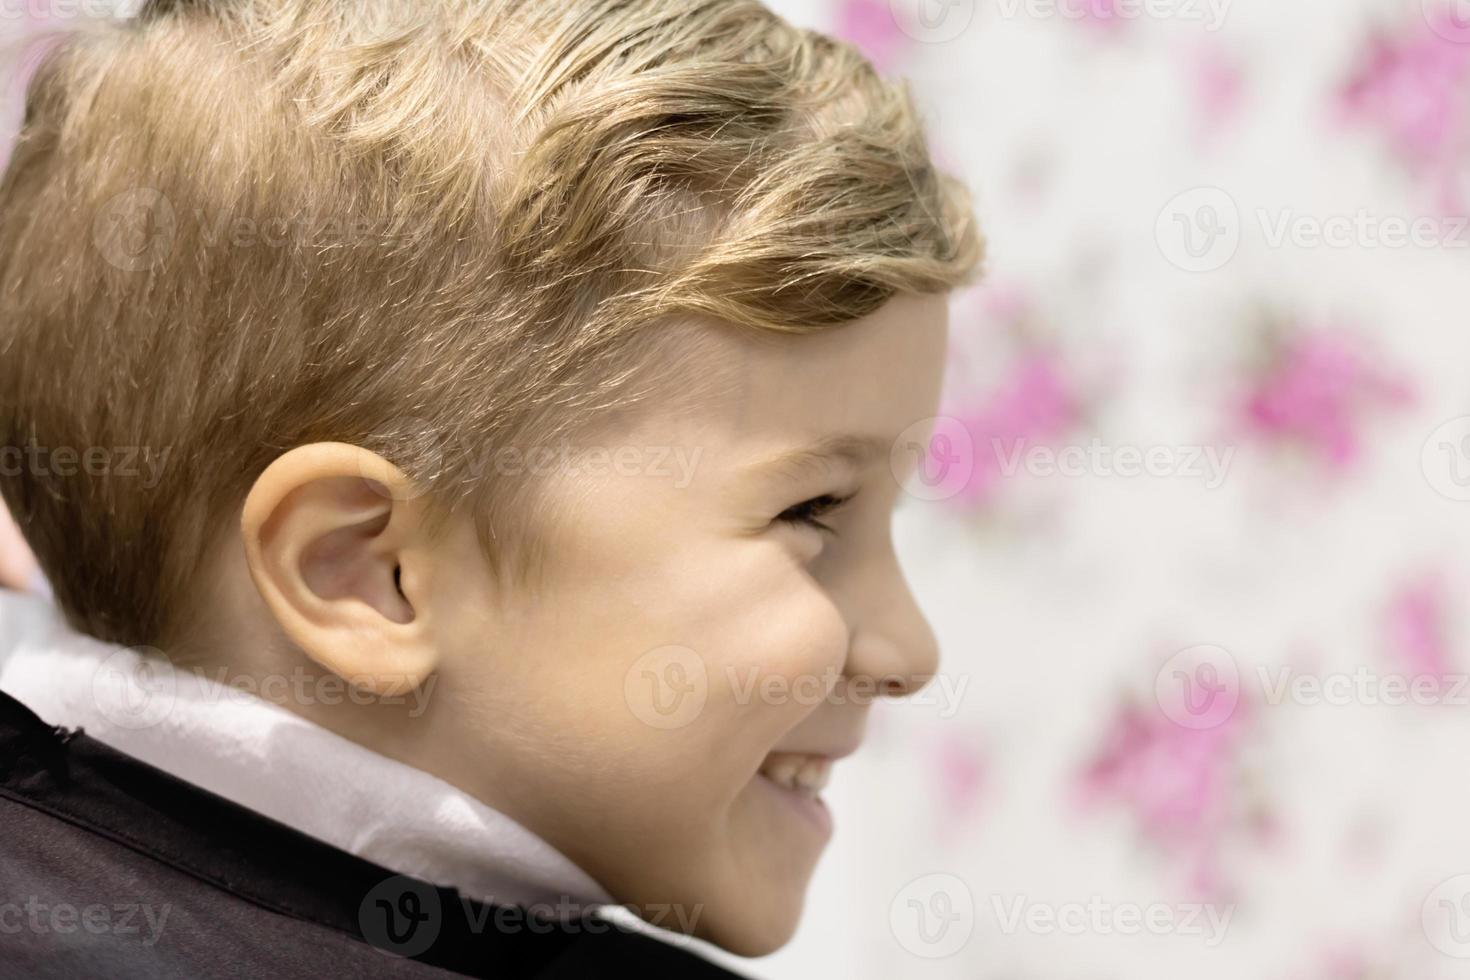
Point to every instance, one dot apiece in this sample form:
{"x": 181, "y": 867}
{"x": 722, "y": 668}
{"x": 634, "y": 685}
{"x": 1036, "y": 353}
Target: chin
{"x": 756, "y": 926}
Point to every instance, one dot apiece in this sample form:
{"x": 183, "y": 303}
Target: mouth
{"x": 797, "y": 780}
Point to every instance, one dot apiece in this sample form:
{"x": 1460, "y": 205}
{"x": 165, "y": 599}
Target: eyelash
{"x": 808, "y": 512}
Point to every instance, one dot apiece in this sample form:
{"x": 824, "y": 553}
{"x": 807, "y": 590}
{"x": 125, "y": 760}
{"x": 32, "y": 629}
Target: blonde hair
{"x": 231, "y": 227}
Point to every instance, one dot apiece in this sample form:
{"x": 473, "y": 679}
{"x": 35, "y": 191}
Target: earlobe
{"x": 334, "y": 540}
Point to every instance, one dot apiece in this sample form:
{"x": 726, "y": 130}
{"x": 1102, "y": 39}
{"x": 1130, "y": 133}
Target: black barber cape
{"x": 112, "y": 869}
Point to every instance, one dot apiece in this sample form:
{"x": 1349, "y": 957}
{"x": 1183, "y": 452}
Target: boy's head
{"x": 519, "y": 347}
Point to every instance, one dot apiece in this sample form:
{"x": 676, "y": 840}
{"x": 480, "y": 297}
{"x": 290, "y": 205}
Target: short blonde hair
{"x": 231, "y": 227}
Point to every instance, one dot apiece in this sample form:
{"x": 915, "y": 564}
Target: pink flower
{"x": 1034, "y": 405}
{"x": 1415, "y": 90}
{"x": 959, "y": 778}
{"x": 1349, "y": 965}
{"x": 871, "y": 26}
{"x": 1317, "y": 392}
{"x": 1035, "y": 401}
{"x": 1218, "y": 84}
{"x": 1416, "y": 627}
{"x": 1178, "y": 784}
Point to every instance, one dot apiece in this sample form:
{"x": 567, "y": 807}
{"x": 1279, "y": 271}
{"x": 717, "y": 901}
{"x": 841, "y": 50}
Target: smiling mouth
{"x": 803, "y": 774}
{"x": 795, "y": 781}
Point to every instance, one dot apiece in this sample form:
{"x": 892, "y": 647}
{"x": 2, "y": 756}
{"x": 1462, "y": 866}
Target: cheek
{"x": 675, "y": 665}
{"x": 695, "y": 674}
{"x": 780, "y": 661}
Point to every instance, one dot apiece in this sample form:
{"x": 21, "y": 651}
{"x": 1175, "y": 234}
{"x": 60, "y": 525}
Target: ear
{"x": 335, "y": 543}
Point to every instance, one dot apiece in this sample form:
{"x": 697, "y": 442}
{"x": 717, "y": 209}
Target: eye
{"x": 810, "y": 512}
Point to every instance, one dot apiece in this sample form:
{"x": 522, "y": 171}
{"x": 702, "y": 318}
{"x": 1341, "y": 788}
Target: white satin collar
{"x": 276, "y": 763}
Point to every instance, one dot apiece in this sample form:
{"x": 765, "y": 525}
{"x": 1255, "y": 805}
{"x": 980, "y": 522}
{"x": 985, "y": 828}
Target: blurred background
{"x": 1194, "y": 530}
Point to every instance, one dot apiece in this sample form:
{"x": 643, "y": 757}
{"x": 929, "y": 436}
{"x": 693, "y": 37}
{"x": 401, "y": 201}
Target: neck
{"x": 235, "y": 736}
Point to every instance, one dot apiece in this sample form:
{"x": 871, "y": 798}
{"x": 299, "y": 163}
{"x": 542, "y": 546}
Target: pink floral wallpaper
{"x": 1200, "y": 589}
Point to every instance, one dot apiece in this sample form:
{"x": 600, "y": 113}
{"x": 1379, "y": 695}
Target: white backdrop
{"x": 1329, "y": 825}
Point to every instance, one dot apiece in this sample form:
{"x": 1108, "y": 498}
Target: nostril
{"x": 893, "y": 686}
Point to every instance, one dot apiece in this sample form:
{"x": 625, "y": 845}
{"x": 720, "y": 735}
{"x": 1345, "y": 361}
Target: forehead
{"x": 868, "y": 379}
{"x": 863, "y": 381}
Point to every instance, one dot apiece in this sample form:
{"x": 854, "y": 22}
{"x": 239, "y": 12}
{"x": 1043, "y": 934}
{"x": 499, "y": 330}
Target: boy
{"x": 461, "y": 438}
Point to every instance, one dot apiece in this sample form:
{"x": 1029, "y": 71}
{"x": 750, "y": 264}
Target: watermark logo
{"x": 1198, "y": 687}
{"x": 934, "y": 458}
{"x": 932, "y": 21}
{"x": 44, "y": 10}
{"x": 1199, "y": 230}
{"x": 1363, "y": 229}
{"x": 143, "y": 921}
{"x": 135, "y": 230}
{"x": 140, "y": 688}
{"x": 751, "y": 684}
{"x": 430, "y": 449}
{"x": 1450, "y": 19}
{"x": 144, "y": 464}
{"x": 134, "y": 689}
{"x": 1210, "y": 13}
{"x": 1362, "y": 687}
{"x": 1100, "y": 917}
{"x": 1446, "y": 917}
{"x": 1208, "y": 464}
{"x": 401, "y": 915}
{"x": 415, "y": 439}
{"x": 667, "y": 687}
{"x": 1445, "y": 459}
{"x": 933, "y": 916}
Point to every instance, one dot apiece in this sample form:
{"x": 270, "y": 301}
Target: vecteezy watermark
{"x": 669, "y": 686}
{"x": 140, "y": 227}
{"x": 1209, "y": 464}
{"x": 44, "y": 10}
{"x": 1200, "y": 230}
{"x": 143, "y": 463}
{"x": 401, "y": 915}
{"x": 135, "y": 231}
{"x": 435, "y": 450}
{"x": 1445, "y": 459}
{"x": 932, "y": 21}
{"x": 750, "y": 684}
{"x": 98, "y": 918}
{"x": 406, "y": 916}
{"x": 137, "y": 688}
{"x": 1201, "y": 686}
{"x": 934, "y": 458}
{"x": 1198, "y": 687}
{"x": 1100, "y": 917}
{"x": 1450, "y": 19}
{"x": 1363, "y": 229}
{"x": 1210, "y": 13}
{"x": 224, "y": 230}
{"x": 1361, "y": 686}
{"x": 933, "y": 916}
{"x": 1445, "y": 917}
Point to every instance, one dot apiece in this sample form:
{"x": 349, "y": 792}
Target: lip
{"x": 811, "y": 810}
{"x": 828, "y": 752}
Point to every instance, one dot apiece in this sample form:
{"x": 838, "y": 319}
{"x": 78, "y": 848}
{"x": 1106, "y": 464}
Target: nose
{"x": 892, "y": 648}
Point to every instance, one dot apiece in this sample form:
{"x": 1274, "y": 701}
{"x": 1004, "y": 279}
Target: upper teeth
{"x": 803, "y": 773}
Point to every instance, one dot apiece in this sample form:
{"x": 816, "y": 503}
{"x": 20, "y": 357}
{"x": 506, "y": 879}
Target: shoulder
{"x": 114, "y": 869}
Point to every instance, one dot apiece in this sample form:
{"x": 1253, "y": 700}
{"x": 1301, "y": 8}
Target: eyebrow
{"x": 848, "y": 449}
